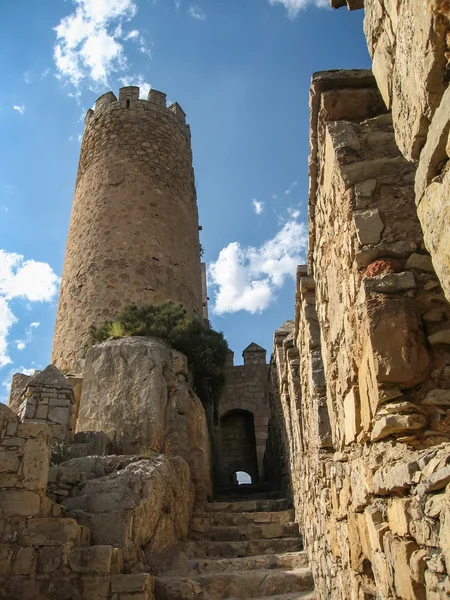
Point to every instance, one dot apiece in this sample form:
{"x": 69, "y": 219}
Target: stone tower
{"x": 133, "y": 234}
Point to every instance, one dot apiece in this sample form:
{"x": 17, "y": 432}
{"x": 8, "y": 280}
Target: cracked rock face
{"x": 140, "y": 505}
{"x": 136, "y": 390}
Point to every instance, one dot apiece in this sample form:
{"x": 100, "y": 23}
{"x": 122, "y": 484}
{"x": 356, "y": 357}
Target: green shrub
{"x": 205, "y": 348}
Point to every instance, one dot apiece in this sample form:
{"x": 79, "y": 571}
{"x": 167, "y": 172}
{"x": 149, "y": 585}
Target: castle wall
{"x": 409, "y": 45}
{"x": 246, "y": 389}
{"x": 133, "y": 234}
{"x": 363, "y": 376}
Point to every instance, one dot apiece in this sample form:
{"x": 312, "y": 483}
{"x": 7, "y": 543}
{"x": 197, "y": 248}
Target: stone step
{"x": 96, "y": 560}
{"x": 263, "y": 505}
{"x": 294, "y": 596}
{"x": 237, "y": 584}
{"x": 218, "y": 533}
{"x": 236, "y": 549}
{"x": 206, "y": 519}
{"x": 286, "y": 560}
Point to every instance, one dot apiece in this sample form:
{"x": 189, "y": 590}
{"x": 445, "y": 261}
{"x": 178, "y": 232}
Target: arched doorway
{"x": 237, "y": 446}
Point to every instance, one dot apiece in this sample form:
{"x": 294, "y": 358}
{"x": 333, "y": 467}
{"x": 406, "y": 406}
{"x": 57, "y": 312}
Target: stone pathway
{"x": 241, "y": 549}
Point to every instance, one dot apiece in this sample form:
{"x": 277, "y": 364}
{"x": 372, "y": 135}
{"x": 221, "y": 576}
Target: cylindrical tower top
{"x": 133, "y": 234}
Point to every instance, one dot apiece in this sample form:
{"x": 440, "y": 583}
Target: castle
{"x": 345, "y": 434}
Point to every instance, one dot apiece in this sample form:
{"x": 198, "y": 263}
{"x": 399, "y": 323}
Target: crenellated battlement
{"x": 129, "y": 99}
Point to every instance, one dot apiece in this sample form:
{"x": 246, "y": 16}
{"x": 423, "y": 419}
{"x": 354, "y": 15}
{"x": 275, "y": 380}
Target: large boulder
{"x": 142, "y": 505}
{"x": 137, "y": 391}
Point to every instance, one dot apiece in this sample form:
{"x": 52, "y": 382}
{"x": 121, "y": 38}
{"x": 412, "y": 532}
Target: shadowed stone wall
{"x": 133, "y": 235}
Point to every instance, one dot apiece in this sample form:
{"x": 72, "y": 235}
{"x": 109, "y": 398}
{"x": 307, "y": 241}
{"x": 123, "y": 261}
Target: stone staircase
{"x": 241, "y": 549}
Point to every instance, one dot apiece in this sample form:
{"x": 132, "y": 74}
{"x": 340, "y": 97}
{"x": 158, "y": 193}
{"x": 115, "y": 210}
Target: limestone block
{"x": 51, "y": 532}
{"x": 398, "y": 518}
{"x": 405, "y": 585}
{"x": 397, "y": 343}
{"x": 364, "y": 193}
{"x": 434, "y": 216}
{"x": 438, "y": 480}
{"x": 348, "y": 103}
{"x": 376, "y": 528}
{"x": 49, "y": 559}
{"x": 352, "y": 415}
{"x": 441, "y": 337}
{"x": 369, "y": 225}
{"x": 132, "y": 583}
{"x": 25, "y": 562}
{"x": 9, "y": 461}
{"x": 35, "y": 464}
{"x": 19, "y": 503}
{"x": 444, "y": 534}
{"x": 386, "y": 425}
{"x": 421, "y": 262}
{"x": 95, "y": 559}
{"x": 18, "y": 384}
{"x": 393, "y": 479}
{"x": 390, "y": 283}
{"x": 343, "y": 135}
{"x": 60, "y": 415}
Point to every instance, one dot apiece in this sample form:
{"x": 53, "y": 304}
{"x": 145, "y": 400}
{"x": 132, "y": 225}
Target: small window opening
{"x": 241, "y": 477}
{"x": 128, "y": 104}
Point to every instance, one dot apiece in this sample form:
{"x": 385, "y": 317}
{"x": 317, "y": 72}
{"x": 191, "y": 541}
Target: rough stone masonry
{"x": 361, "y": 379}
{"x": 133, "y": 235}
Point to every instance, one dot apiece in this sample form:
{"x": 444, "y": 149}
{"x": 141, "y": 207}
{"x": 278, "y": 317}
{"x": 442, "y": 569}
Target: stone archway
{"x": 237, "y": 446}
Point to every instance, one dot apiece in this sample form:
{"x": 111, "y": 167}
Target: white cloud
{"x": 20, "y": 108}
{"x": 248, "y": 278}
{"x": 136, "y": 36}
{"x": 22, "y": 344}
{"x": 197, "y": 13}
{"x": 258, "y": 206}
{"x": 293, "y": 7}
{"x": 90, "y": 40}
{"x": 294, "y": 213}
{"x": 290, "y": 188}
{"x": 34, "y": 281}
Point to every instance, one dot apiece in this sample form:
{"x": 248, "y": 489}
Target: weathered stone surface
{"x": 18, "y": 384}
{"x": 441, "y": 337}
{"x": 389, "y": 424}
{"x": 369, "y": 225}
{"x": 421, "y": 262}
{"x": 390, "y": 283}
{"x": 132, "y": 392}
{"x": 142, "y": 506}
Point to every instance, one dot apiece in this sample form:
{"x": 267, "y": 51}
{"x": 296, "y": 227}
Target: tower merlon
{"x": 129, "y": 99}
{"x": 130, "y": 92}
{"x": 158, "y": 98}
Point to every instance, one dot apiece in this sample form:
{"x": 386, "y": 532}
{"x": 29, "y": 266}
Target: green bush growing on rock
{"x": 205, "y": 348}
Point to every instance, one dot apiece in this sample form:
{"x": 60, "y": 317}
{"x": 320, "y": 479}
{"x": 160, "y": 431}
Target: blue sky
{"x": 241, "y": 71}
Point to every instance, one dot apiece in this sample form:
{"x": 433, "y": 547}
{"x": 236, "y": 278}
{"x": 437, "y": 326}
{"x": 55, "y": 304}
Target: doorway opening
{"x": 242, "y": 478}
{"x": 237, "y": 447}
